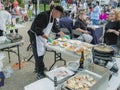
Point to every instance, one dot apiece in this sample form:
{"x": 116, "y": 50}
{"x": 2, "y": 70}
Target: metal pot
{"x": 102, "y": 55}
{"x": 103, "y": 50}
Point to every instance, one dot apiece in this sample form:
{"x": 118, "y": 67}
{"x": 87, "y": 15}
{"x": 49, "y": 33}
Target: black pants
{"x": 39, "y": 64}
{"x": 92, "y": 33}
{"x": 1, "y": 33}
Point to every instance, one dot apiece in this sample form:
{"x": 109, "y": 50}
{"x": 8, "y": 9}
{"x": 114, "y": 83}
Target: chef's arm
{"x": 61, "y": 33}
{"x": 45, "y": 36}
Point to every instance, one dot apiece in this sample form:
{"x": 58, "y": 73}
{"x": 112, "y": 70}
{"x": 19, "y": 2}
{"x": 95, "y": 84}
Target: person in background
{"x": 64, "y": 4}
{"x": 95, "y": 14}
{"x": 17, "y": 10}
{"x": 15, "y": 3}
{"x": 85, "y": 5}
{"x": 73, "y": 10}
{"x": 66, "y": 22}
{"x": 5, "y": 18}
{"x": 103, "y": 17}
{"x": 81, "y": 26}
{"x": 52, "y": 4}
{"x": 1, "y": 6}
{"x": 112, "y": 28}
{"x": 30, "y": 10}
{"x": 23, "y": 13}
{"x": 39, "y": 34}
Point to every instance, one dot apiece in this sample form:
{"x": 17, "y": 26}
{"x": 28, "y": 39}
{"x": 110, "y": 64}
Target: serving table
{"x": 8, "y": 46}
{"x": 47, "y": 84}
{"x": 59, "y": 51}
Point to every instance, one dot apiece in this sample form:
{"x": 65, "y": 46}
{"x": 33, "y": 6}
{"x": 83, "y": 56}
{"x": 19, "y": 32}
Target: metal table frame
{"x": 8, "y": 46}
{"x": 57, "y": 57}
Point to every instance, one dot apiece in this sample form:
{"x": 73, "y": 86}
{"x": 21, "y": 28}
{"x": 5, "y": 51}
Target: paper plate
{"x": 62, "y": 39}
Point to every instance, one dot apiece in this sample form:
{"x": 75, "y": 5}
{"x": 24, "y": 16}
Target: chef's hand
{"x": 66, "y": 36}
{"x": 50, "y": 40}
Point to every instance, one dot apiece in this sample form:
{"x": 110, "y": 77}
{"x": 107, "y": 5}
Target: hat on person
{"x": 59, "y": 8}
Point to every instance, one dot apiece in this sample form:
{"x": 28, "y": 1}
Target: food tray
{"x": 79, "y": 50}
{"x": 75, "y": 42}
{"x": 87, "y": 80}
{"x": 64, "y": 44}
{"x": 61, "y": 73}
{"x": 71, "y": 48}
{"x": 54, "y": 43}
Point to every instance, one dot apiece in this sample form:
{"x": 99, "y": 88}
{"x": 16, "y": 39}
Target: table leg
{"x": 19, "y": 57}
{"x": 57, "y": 57}
{"x": 30, "y": 58}
{"x": 9, "y": 54}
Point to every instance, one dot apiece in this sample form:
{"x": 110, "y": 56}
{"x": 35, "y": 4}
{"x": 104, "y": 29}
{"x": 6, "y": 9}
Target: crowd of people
{"x": 11, "y": 13}
{"x": 81, "y": 14}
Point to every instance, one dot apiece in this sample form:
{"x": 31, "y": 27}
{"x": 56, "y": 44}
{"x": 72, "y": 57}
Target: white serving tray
{"x": 62, "y": 73}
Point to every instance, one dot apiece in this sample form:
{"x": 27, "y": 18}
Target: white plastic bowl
{"x": 72, "y": 65}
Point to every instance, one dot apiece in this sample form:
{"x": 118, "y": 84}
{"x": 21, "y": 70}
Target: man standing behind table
{"x": 39, "y": 34}
{"x": 5, "y": 18}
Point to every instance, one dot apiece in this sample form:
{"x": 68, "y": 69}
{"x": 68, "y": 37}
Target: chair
{"x": 77, "y": 33}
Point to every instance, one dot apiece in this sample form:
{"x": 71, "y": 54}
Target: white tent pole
{"x": 38, "y": 5}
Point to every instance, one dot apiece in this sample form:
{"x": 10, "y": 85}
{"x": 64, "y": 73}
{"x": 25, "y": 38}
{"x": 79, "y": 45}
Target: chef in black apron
{"x": 39, "y": 34}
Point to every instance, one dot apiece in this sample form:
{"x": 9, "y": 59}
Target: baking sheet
{"x": 83, "y": 73}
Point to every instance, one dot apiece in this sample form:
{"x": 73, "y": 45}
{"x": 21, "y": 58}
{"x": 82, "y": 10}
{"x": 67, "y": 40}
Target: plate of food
{"x": 64, "y": 44}
{"x": 62, "y": 39}
{"x": 54, "y": 42}
{"x": 71, "y": 48}
{"x": 80, "y": 49}
{"x": 75, "y": 42}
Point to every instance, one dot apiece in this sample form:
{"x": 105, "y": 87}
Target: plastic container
{"x": 72, "y": 65}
